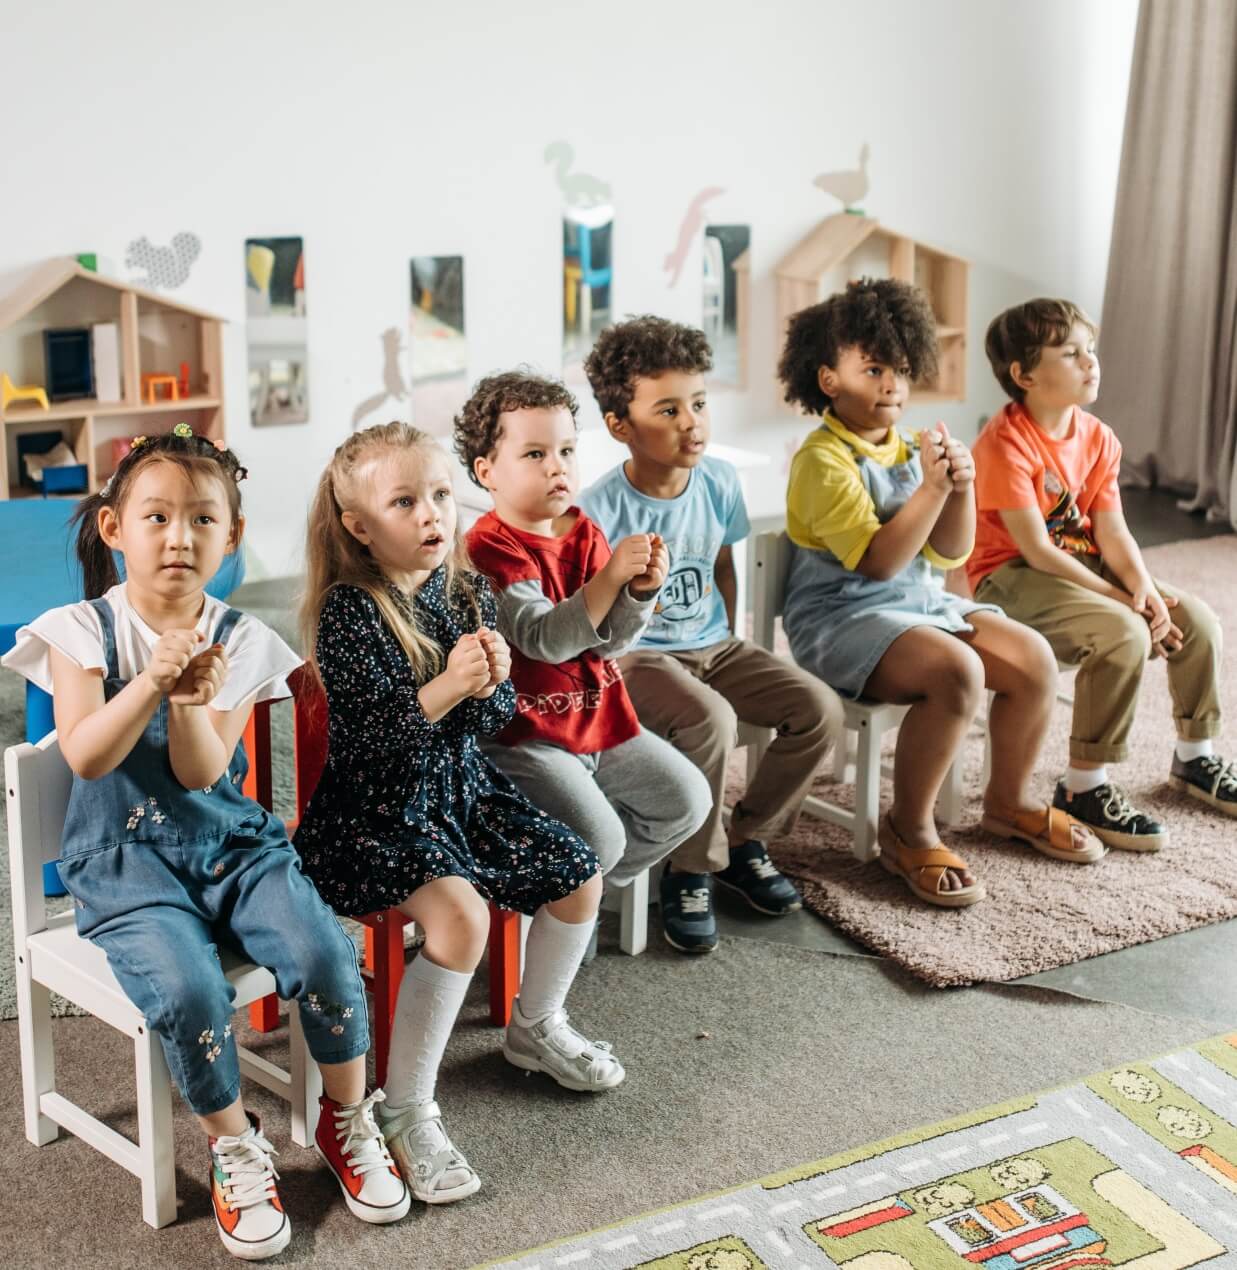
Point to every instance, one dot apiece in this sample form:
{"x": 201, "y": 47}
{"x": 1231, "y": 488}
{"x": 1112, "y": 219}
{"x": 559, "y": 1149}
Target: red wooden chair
{"x": 383, "y": 966}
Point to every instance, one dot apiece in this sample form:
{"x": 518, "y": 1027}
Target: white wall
{"x": 377, "y": 131}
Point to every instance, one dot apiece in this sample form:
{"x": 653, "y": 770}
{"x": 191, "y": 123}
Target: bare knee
{"x": 456, "y": 923}
{"x": 956, "y": 681}
{"x": 581, "y": 905}
{"x": 1035, "y": 666}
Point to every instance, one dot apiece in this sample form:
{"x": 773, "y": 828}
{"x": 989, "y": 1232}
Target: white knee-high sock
{"x": 425, "y": 1012}
{"x": 551, "y": 958}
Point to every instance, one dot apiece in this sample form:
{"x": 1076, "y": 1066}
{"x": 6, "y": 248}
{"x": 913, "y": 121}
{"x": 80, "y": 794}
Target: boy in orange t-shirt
{"x": 1053, "y": 550}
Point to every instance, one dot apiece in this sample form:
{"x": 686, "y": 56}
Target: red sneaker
{"x": 248, "y": 1214}
{"x": 349, "y": 1140}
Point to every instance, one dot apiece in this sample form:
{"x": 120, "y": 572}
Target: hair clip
{"x": 137, "y": 443}
{"x": 107, "y": 487}
{"x": 182, "y": 430}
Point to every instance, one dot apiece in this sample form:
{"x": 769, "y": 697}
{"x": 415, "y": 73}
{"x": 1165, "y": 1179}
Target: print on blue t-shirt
{"x": 707, "y": 516}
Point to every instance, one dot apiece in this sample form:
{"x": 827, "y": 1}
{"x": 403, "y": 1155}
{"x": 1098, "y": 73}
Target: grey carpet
{"x": 806, "y": 1054}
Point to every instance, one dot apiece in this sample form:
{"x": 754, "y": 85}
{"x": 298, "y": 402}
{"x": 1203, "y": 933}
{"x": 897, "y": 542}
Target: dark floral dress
{"x": 403, "y": 801}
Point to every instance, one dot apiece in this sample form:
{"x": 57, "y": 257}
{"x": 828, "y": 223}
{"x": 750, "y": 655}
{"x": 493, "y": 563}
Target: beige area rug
{"x": 1041, "y": 913}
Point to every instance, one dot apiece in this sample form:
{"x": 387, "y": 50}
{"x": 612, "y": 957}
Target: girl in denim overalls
{"x": 165, "y": 857}
{"x": 871, "y": 517}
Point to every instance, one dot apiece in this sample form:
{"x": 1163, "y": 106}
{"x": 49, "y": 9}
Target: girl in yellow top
{"x": 871, "y": 516}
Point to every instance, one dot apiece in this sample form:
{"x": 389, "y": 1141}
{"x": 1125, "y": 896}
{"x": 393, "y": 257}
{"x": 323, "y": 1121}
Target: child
{"x": 870, "y": 517}
{"x": 570, "y": 607}
{"x": 1053, "y": 549}
{"x": 153, "y": 681}
{"x": 691, "y": 678}
{"x": 408, "y": 812}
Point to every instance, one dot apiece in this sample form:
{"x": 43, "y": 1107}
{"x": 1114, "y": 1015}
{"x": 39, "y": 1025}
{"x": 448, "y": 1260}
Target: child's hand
{"x": 654, "y": 575}
{"x": 498, "y": 654}
{"x": 171, "y": 655}
{"x": 631, "y": 558}
{"x": 201, "y": 679}
{"x": 1166, "y": 636}
{"x": 934, "y": 459}
{"x": 961, "y": 462}
{"x": 468, "y": 666}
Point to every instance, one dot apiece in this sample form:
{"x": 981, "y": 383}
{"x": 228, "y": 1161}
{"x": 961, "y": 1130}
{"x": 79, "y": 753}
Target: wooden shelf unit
{"x": 156, "y": 334}
{"x": 844, "y": 241}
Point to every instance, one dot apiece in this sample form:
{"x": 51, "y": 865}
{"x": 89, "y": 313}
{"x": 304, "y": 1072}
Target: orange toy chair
{"x": 383, "y": 967}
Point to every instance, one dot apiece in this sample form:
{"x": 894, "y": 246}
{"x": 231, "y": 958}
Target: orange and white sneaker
{"x": 349, "y": 1140}
{"x": 248, "y": 1214}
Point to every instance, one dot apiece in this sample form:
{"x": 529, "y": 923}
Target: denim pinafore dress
{"x": 840, "y": 623}
{"x": 161, "y": 875}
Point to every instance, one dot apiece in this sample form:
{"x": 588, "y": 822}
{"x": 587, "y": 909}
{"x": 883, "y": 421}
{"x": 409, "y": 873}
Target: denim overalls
{"x": 160, "y": 873}
{"x": 840, "y": 623}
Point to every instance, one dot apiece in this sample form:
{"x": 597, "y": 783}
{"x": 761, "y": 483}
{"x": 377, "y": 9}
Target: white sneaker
{"x": 351, "y": 1143}
{"x": 434, "y": 1168}
{"x": 248, "y": 1215}
{"x": 553, "y": 1046}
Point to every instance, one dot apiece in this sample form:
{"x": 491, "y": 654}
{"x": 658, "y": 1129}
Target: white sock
{"x": 425, "y": 1012}
{"x": 551, "y": 958}
{"x": 1080, "y": 779}
{"x": 1187, "y": 750}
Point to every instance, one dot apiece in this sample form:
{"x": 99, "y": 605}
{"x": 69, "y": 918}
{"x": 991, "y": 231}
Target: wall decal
{"x": 393, "y": 386}
{"x": 850, "y": 186}
{"x": 689, "y": 227}
{"x": 577, "y": 188}
{"x": 166, "y": 267}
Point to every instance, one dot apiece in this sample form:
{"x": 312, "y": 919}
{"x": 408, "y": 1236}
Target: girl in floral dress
{"x": 408, "y": 812}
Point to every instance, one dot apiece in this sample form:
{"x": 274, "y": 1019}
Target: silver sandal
{"x": 436, "y": 1172}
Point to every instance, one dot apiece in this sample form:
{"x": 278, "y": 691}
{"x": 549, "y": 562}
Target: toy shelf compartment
{"x": 156, "y": 335}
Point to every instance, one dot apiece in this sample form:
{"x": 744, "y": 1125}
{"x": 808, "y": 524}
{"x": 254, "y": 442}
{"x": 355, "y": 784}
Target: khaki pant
{"x": 1110, "y": 644}
{"x": 694, "y": 699}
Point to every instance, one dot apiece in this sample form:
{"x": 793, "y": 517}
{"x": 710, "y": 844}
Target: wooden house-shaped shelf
{"x": 156, "y": 334}
{"x": 847, "y": 246}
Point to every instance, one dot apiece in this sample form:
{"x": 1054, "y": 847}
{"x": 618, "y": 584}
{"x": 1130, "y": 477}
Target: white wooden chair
{"x": 52, "y": 957}
{"x": 867, "y": 720}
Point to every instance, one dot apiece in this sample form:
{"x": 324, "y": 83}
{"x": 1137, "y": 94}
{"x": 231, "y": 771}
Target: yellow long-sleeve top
{"x": 827, "y": 503}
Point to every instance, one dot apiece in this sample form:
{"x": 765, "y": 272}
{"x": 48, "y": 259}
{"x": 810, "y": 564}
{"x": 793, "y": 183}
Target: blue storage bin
{"x": 64, "y": 480}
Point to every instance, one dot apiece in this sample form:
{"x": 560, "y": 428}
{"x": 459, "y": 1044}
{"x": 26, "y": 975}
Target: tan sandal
{"x": 923, "y": 869}
{"x": 1050, "y": 832}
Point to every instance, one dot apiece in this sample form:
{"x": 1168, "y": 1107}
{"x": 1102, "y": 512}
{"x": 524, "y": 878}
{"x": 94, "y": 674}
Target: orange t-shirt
{"x": 1017, "y": 465}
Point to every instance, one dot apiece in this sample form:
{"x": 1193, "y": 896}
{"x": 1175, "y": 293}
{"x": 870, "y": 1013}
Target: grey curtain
{"x": 1169, "y": 340}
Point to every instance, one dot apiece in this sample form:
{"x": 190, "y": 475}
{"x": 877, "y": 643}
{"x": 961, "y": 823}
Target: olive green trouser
{"x": 1110, "y": 644}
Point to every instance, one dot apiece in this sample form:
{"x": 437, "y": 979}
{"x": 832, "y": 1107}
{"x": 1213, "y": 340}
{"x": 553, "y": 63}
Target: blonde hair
{"x": 335, "y": 558}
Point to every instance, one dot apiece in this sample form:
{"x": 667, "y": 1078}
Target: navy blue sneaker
{"x": 752, "y": 875}
{"x": 687, "y": 919}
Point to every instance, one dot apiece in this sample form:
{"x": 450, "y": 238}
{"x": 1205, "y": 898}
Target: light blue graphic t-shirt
{"x": 708, "y": 515}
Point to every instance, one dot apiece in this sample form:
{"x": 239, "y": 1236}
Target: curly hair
{"x": 641, "y": 348}
{"x": 885, "y": 317}
{"x": 1022, "y": 333}
{"x": 477, "y": 426}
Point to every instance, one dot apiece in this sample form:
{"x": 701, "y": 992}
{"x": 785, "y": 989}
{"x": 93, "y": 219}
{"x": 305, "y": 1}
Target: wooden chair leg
{"x": 38, "y": 1060}
{"x": 156, "y": 1147}
{"x": 306, "y": 1081}
{"x": 388, "y": 974}
{"x": 504, "y": 964}
{"x": 264, "y": 1013}
{"x": 634, "y": 917}
{"x": 867, "y": 791}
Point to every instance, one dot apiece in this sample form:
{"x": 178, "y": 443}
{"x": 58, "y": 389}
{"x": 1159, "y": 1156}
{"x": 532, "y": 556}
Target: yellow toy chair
{"x": 9, "y": 391}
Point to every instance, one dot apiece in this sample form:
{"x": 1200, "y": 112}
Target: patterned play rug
{"x": 1134, "y": 1168}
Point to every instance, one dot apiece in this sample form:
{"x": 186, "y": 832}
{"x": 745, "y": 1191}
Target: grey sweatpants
{"x": 633, "y": 804}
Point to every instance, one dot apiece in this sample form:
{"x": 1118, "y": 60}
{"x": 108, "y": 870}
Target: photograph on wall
{"x": 587, "y": 281}
{"x": 439, "y": 345}
{"x": 275, "y": 331}
{"x": 724, "y": 301}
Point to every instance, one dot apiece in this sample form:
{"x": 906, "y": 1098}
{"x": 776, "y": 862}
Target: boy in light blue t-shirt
{"x": 690, "y": 678}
